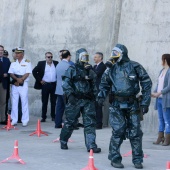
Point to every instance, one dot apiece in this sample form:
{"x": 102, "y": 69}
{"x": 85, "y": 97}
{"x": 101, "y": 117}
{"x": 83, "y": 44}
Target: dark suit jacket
{"x": 6, "y": 65}
{"x": 38, "y": 73}
{"x": 99, "y": 71}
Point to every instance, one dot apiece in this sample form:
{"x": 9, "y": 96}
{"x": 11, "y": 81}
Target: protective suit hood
{"x": 123, "y": 51}
{"x": 82, "y": 55}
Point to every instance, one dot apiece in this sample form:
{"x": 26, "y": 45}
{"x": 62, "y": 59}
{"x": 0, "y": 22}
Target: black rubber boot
{"x": 138, "y": 166}
{"x": 117, "y": 165}
{"x": 64, "y": 146}
{"x": 96, "y": 150}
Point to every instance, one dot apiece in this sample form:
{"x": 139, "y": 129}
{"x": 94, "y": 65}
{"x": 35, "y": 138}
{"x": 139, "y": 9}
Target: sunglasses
{"x": 49, "y": 56}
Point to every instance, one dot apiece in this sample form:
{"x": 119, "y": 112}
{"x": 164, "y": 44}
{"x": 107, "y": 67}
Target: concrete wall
{"x": 97, "y": 25}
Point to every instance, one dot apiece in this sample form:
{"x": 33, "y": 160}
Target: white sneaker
{"x": 13, "y": 123}
{"x": 24, "y": 124}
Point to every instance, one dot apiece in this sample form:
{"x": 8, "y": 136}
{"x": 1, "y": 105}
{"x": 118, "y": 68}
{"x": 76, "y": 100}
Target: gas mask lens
{"x": 84, "y": 57}
{"x": 115, "y": 54}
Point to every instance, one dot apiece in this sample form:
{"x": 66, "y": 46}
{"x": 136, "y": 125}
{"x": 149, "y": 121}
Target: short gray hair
{"x": 100, "y": 54}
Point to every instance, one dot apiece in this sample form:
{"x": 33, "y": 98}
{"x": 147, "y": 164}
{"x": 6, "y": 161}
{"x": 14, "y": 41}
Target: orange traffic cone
{"x": 168, "y": 165}
{"x": 9, "y": 126}
{"x": 38, "y": 131}
{"x": 130, "y": 153}
{"x": 15, "y": 154}
{"x": 90, "y": 165}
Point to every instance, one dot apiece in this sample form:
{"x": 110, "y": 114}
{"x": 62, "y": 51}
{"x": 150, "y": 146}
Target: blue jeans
{"x": 163, "y": 117}
{"x": 60, "y": 107}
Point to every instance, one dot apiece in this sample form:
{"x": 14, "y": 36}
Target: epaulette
{"x": 28, "y": 61}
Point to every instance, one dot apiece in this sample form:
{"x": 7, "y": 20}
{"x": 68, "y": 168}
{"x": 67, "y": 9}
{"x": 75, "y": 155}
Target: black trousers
{"x": 48, "y": 89}
{"x": 7, "y": 98}
{"x": 99, "y": 114}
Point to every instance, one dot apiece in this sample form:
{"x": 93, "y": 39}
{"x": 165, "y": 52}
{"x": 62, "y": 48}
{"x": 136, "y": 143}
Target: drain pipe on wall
{"x": 22, "y": 25}
{"x": 116, "y": 24}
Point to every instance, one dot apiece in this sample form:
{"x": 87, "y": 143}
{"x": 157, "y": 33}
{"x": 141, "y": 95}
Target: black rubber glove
{"x": 72, "y": 99}
{"x": 100, "y": 101}
{"x": 144, "y": 109}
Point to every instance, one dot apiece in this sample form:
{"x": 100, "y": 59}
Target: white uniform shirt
{"x": 21, "y": 68}
{"x": 49, "y": 74}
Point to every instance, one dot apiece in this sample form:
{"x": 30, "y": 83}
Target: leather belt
{"x": 50, "y": 82}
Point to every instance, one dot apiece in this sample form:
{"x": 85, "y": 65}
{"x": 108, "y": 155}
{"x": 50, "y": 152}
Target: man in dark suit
{"x": 4, "y": 83}
{"x": 45, "y": 76}
{"x": 99, "y": 69}
{"x": 6, "y": 54}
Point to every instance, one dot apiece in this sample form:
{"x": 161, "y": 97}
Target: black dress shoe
{"x": 42, "y": 120}
{"x": 117, "y": 165}
{"x": 95, "y": 150}
{"x": 19, "y": 121}
{"x": 3, "y": 123}
{"x": 64, "y": 146}
{"x": 138, "y": 166}
{"x": 58, "y": 127}
{"x": 52, "y": 119}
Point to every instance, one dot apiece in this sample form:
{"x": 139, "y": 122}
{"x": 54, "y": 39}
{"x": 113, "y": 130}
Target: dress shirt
{"x": 50, "y": 73}
{"x": 98, "y": 63}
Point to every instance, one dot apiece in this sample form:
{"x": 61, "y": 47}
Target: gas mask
{"x": 84, "y": 57}
{"x": 109, "y": 63}
{"x": 115, "y": 55}
{"x": 83, "y": 60}
{"x": 113, "y": 59}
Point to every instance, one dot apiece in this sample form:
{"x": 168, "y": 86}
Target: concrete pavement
{"x": 42, "y": 154}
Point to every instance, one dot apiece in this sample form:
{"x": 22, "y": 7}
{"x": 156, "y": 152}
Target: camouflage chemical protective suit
{"x": 123, "y": 79}
{"x": 79, "y": 82}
